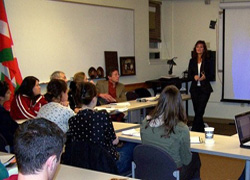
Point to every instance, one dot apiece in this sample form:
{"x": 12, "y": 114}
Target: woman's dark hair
{"x": 170, "y": 109}
{"x": 3, "y": 88}
{"x": 55, "y": 89}
{"x": 27, "y": 86}
{"x": 85, "y": 92}
{"x": 204, "y": 55}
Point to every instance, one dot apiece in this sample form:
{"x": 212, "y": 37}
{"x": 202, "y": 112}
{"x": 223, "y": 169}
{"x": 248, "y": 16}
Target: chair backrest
{"x": 4, "y": 147}
{"x": 90, "y": 156}
{"x": 142, "y": 92}
{"x": 153, "y": 163}
{"x": 131, "y": 95}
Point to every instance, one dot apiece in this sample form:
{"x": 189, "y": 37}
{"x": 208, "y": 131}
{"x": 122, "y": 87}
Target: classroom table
{"x": 69, "y": 172}
{"x": 226, "y": 146}
{"x": 135, "y": 105}
{"x": 119, "y": 126}
{"x": 65, "y": 172}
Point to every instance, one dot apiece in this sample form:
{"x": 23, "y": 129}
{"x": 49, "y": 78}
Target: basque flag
{"x": 9, "y": 70}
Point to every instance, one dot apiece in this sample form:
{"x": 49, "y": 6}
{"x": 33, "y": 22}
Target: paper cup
{"x": 209, "y": 135}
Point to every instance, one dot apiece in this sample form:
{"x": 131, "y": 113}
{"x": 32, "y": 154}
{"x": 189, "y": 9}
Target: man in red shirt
{"x": 111, "y": 90}
{"x": 38, "y": 146}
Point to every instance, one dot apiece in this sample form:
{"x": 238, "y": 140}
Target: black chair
{"x": 131, "y": 95}
{"x": 90, "y": 156}
{"x": 152, "y": 163}
{"x": 142, "y": 92}
{"x": 4, "y": 147}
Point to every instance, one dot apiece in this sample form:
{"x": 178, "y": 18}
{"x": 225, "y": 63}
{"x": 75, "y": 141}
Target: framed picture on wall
{"x": 127, "y": 66}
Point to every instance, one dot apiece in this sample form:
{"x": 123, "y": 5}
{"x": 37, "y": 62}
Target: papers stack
{"x": 10, "y": 163}
{"x": 131, "y": 132}
{"x": 155, "y": 98}
{"x": 195, "y": 140}
{"x": 121, "y": 104}
{"x": 109, "y": 109}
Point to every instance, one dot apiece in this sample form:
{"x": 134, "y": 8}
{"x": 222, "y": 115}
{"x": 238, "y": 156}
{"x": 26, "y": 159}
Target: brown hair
{"x": 204, "y": 55}
{"x": 171, "y": 109}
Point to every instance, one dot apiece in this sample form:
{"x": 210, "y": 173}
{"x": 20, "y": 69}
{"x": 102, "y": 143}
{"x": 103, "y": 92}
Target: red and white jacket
{"x": 22, "y": 107}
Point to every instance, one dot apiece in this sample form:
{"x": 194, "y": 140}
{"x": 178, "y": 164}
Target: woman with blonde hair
{"x": 78, "y": 78}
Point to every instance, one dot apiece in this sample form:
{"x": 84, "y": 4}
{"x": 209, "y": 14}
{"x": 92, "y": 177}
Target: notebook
{"x": 242, "y": 123}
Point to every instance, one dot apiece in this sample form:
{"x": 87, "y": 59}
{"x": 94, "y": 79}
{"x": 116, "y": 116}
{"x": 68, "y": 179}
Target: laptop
{"x": 242, "y": 123}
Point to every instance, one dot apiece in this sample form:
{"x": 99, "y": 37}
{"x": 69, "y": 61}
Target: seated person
{"x": 111, "y": 90}
{"x": 58, "y": 75}
{"x": 96, "y": 127}
{"x": 7, "y": 125}
{"x": 57, "y": 91}
{"x": 166, "y": 128}
{"x": 78, "y": 78}
{"x": 28, "y": 99}
{"x": 38, "y": 146}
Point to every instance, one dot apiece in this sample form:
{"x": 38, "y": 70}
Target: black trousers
{"x": 199, "y": 100}
{"x": 192, "y": 170}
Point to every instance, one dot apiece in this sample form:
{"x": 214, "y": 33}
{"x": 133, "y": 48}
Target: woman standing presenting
{"x": 199, "y": 73}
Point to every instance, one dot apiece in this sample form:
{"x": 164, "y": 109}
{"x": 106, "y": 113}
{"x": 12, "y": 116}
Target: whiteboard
{"x": 71, "y": 37}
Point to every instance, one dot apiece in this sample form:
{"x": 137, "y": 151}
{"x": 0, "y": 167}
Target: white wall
{"x": 185, "y": 21}
{"x": 190, "y": 22}
{"x": 144, "y": 71}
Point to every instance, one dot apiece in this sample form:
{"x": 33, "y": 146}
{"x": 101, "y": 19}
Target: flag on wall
{"x": 8, "y": 62}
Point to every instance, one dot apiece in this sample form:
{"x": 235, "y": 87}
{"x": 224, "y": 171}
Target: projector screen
{"x": 236, "y": 54}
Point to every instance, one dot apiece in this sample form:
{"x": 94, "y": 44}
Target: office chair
{"x": 152, "y": 163}
{"x": 131, "y": 95}
{"x": 142, "y": 92}
{"x": 4, "y": 147}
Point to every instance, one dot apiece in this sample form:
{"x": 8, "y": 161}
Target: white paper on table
{"x": 151, "y": 98}
{"x": 122, "y": 109}
{"x": 195, "y": 140}
{"x": 131, "y": 132}
{"x": 109, "y": 109}
{"x": 121, "y": 104}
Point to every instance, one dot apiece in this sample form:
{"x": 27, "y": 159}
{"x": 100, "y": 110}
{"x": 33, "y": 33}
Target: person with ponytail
{"x": 96, "y": 127}
{"x": 54, "y": 111}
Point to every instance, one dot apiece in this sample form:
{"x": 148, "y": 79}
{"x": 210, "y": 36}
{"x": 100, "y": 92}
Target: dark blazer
{"x": 193, "y": 70}
{"x": 7, "y": 125}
